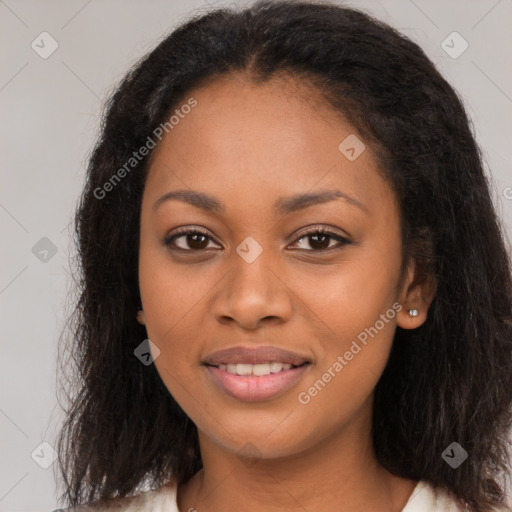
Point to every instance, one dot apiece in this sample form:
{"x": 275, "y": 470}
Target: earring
{"x": 413, "y": 312}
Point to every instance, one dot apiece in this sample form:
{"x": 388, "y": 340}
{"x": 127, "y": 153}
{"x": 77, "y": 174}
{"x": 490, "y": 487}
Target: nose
{"x": 253, "y": 293}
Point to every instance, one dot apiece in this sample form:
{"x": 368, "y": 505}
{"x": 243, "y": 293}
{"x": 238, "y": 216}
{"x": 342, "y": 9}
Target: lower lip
{"x": 254, "y": 389}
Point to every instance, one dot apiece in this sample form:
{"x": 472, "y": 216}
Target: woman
{"x": 294, "y": 287}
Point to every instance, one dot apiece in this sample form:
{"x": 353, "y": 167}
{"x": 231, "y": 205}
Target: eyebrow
{"x": 283, "y": 205}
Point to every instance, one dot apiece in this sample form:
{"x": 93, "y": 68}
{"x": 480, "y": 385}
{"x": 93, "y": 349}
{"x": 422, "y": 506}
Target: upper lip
{"x": 244, "y": 355}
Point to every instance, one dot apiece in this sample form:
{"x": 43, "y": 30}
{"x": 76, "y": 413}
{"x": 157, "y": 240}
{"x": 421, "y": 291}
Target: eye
{"x": 319, "y": 239}
{"x": 195, "y": 240}
{"x": 191, "y": 240}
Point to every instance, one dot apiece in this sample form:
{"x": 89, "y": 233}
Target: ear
{"x": 416, "y": 292}
{"x": 140, "y": 316}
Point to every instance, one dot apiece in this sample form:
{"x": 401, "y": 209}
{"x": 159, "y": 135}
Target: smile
{"x": 256, "y": 382}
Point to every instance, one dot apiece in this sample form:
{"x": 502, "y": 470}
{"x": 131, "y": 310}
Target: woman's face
{"x": 231, "y": 308}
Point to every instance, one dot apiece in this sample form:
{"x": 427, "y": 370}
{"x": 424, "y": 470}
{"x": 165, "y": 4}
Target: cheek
{"x": 171, "y": 293}
{"x": 346, "y": 301}
{"x": 173, "y": 297}
{"x": 347, "y": 371}
{"x": 357, "y": 309}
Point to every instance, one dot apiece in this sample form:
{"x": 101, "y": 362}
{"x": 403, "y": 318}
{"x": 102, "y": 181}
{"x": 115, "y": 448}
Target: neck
{"x": 340, "y": 473}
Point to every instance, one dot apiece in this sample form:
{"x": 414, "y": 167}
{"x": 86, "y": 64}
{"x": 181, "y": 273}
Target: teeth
{"x": 261, "y": 369}
{"x": 257, "y": 370}
{"x": 244, "y": 369}
{"x": 276, "y": 367}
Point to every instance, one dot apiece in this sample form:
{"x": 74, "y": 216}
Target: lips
{"x": 251, "y": 375}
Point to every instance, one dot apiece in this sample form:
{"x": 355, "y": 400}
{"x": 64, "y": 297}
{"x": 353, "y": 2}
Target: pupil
{"x": 322, "y": 244}
{"x": 195, "y": 243}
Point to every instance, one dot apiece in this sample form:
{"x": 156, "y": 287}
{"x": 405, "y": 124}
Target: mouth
{"x": 255, "y": 374}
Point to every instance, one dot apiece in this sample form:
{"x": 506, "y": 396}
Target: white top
{"x": 424, "y": 498}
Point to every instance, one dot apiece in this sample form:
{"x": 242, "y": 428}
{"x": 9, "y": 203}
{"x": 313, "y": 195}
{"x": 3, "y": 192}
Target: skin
{"x": 248, "y": 144}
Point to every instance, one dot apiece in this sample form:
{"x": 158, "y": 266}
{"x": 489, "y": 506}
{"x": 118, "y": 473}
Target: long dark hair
{"x": 448, "y": 381}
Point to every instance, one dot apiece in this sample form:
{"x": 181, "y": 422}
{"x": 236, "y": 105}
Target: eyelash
{"x": 169, "y": 240}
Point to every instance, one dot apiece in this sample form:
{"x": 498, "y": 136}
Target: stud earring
{"x": 413, "y": 312}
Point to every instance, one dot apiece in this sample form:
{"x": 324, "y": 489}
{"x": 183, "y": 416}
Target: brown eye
{"x": 320, "y": 240}
{"x": 190, "y": 240}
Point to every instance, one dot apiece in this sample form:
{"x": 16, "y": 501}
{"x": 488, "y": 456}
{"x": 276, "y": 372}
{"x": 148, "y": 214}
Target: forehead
{"x": 246, "y": 139}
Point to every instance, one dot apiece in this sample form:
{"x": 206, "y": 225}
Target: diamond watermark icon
{"x": 44, "y": 455}
{"x": 249, "y": 454}
{"x": 44, "y": 250}
{"x": 454, "y": 45}
{"x": 44, "y": 45}
{"x": 249, "y": 249}
{"x": 454, "y": 455}
{"x": 351, "y": 147}
{"x": 147, "y": 352}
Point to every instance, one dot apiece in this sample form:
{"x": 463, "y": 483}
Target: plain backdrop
{"x": 51, "y": 109}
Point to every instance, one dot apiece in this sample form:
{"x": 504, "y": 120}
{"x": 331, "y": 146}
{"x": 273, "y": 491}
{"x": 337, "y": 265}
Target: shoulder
{"x": 426, "y": 498}
{"x": 162, "y": 499}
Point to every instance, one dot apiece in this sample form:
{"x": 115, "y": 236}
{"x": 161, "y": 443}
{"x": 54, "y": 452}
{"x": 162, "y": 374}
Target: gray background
{"x": 50, "y": 114}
